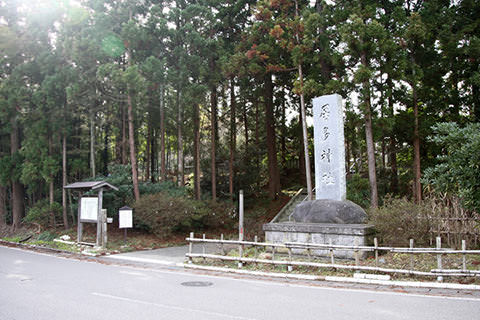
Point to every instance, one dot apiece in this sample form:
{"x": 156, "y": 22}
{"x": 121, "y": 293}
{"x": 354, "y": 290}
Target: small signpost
{"x": 125, "y": 220}
{"x": 90, "y": 209}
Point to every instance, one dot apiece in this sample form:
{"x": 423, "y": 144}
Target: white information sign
{"x": 125, "y": 218}
{"x": 89, "y": 209}
{"x": 329, "y": 148}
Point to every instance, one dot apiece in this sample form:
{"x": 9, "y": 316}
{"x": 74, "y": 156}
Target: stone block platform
{"x": 321, "y": 233}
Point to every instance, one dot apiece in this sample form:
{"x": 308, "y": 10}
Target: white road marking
{"x": 145, "y": 260}
{"x": 22, "y": 277}
{"x": 217, "y": 314}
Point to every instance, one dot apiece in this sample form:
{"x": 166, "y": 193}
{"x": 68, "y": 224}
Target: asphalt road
{"x": 37, "y": 286}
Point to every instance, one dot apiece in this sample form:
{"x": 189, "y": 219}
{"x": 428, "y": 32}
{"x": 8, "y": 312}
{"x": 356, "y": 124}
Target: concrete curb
{"x": 145, "y": 260}
{"x": 412, "y": 284}
{"x": 35, "y": 247}
{"x": 254, "y": 273}
{"x": 32, "y": 247}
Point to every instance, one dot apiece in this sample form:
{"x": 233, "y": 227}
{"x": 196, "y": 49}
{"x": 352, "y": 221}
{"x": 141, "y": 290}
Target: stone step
{"x": 287, "y": 210}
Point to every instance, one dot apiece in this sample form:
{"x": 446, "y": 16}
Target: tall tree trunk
{"x": 92, "y": 143}
{"x": 213, "y": 154}
{"x": 393, "y": 165}
{"x": 153, "y": 154}
{"x": 196, "y": 147}
{"x": 18, "y": 192}
{"x": 301, "y": 151}
{"x": 163, "y": 173}
{"x": 392, "y": 142}
{"x": 124, "y": 135}
{"x": 3, "y": 206}
{"x": 283, "y": 138}
{"x": 347, "y": 156}
{"x": 133, "y": 155}
{"x": 476, "y": 102}
{"x": 148, "y": 150}
{"x": 105, "y": 149}
{"x": 372, "y": 175}
{"x": 233, "y": 136}
{"x": 257, "y": 138}
{"x": 64, "y": 180}
{"x": 308, "y": 174}
{"x": 416, "y": 141}
{"x": 181, "y": 177}
{"x": 51, "y": 189}
{"x": 245, "y": 124}
{"x": 274, "y": 176}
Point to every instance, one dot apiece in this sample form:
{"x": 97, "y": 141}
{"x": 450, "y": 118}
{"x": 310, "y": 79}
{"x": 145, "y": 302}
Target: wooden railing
{"x": 289, "y": 259}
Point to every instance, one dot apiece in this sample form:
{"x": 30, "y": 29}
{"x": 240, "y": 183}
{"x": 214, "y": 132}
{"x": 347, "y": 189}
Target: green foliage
{"x": 458, "y": 170}
{"x": 41, "y": 213}
{"x": 5, "y": 170}
{"x": 46, "y": 236}
{"x": 120, "y": 176}
{"x": 399, "y": 220}
{"x": 358, "y": 190}
{"x": 165, "y": 215}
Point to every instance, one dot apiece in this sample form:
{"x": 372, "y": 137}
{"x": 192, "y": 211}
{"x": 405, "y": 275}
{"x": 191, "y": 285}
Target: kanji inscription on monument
{"x": 329, "y": 146}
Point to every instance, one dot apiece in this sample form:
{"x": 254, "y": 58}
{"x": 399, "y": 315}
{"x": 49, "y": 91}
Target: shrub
{"x": 120, "y": 176}
{"x": 164, "y": 215}
{"x": 41, "y": 213}
{"x": 458, "y": 170}
{"x": 399, "y": 220}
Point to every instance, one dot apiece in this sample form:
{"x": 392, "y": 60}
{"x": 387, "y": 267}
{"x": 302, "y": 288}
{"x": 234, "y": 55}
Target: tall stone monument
{"x": 330, "y": 218}
{"x": 329, "y": 144}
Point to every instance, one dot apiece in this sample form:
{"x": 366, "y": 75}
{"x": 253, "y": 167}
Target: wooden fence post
{"x": 240, "y": 228}
{"x": 255, "y": 239}
{"x": 357, "y": 258}
{"x": 332, "y": 258}
{"x": 439, "y": 258}
{"x": 221, "y": 244}
{"x": 203, "y": 248}
{"x": 190, "y": 248}
{"x": 411, "y": 254}
{"x": 290, "y": 267}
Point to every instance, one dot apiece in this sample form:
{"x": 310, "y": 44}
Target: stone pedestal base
{"x": 321, "y": 233}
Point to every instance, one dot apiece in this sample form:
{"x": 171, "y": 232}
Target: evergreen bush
{"x": 164, "y": 214}
{"x": 41, "y": 213}
{"x": 399, "y": 220}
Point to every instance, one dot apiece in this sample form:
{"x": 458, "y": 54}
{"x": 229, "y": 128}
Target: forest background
{"x": 188, "y": 102}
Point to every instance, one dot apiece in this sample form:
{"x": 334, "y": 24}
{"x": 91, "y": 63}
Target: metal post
{"x": 375, "y": 243}
{"x": 464, "y": 258}
{"x": 240, "y": 228}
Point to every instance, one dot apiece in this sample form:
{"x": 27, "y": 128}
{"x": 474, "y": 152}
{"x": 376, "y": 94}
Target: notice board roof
{"x": 90, "y": 185}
